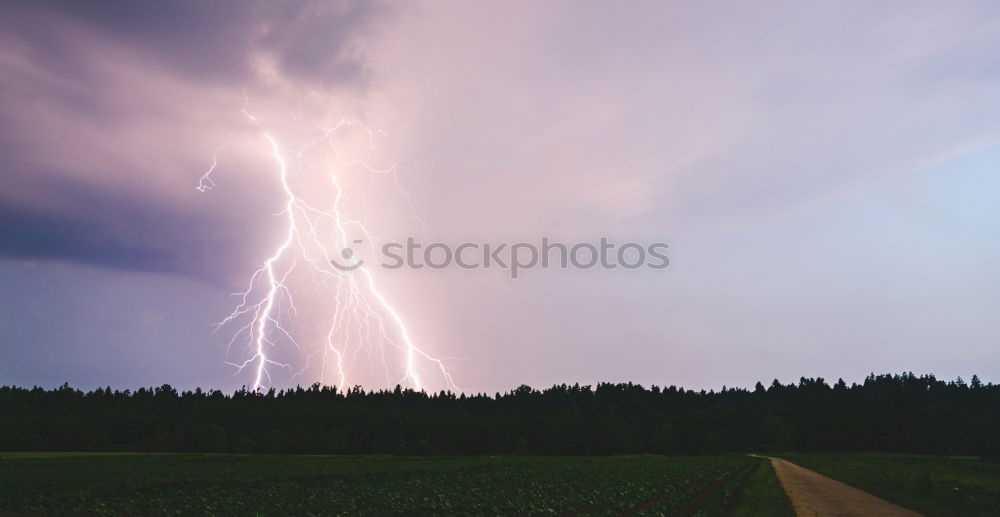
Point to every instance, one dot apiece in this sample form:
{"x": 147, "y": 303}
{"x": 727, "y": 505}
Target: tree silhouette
{"x": 890, "y": 413}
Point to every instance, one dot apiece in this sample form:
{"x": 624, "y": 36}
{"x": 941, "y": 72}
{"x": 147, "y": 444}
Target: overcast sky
{"x": 825, "y": 174}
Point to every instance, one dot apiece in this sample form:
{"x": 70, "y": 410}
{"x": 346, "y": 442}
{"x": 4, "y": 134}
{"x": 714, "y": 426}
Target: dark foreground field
{"x": 223, "y": 484}
{"x": 233, "y": 484}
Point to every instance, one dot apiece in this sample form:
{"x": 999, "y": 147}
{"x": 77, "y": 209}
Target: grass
{"x": 934, "y": 486}
{"x": 228, "y": 484}
{"x": 232, "y": 484}
{"x": 763, "y": 495}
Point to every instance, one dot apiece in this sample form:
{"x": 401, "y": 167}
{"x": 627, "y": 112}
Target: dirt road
{"x": 814, "y": 494}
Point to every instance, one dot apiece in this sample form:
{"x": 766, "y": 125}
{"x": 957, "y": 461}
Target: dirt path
{"x": 813, "y": 494}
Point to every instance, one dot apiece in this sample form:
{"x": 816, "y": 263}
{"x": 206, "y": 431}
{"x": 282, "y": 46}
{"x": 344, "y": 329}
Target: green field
{"x": 230, "y": 484}
{"x": 932, "y": 485}
{"x": 226, "y": 484}
{"x": 762, "y": 495}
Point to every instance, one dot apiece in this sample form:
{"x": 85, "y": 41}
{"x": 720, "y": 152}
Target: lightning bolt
{"x": 362, "y": 319}
{"x": 205, "y": 183}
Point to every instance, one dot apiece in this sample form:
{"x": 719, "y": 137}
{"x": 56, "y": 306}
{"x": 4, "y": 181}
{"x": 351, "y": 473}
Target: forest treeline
{"x": 886, "y": 413}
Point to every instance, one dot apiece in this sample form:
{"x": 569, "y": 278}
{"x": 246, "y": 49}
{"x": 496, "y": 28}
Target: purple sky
{"x": 825, "y": 175}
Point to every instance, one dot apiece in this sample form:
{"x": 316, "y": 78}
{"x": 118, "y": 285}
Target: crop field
{"x": 225, "y": 484}
{"x": 932, "y": 485}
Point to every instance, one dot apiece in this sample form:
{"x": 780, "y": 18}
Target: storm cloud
{"x": 824, "y": 173}
{"x": 84, "y": 81}
{"x": 222, "y": 40}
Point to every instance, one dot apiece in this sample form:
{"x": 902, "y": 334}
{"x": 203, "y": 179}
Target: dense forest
{"x": 887, "y": 413}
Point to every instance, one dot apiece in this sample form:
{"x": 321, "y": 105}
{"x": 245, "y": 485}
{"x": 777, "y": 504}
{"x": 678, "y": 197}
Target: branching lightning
{"x": 362, "y": 319}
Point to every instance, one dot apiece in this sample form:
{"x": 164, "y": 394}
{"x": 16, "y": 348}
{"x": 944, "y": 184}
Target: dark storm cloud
{"x": 34, "y": 235}
{"x": 216, "y": 40}
{"x": 82, "y": 77}
{"x": 97, "y": 227}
